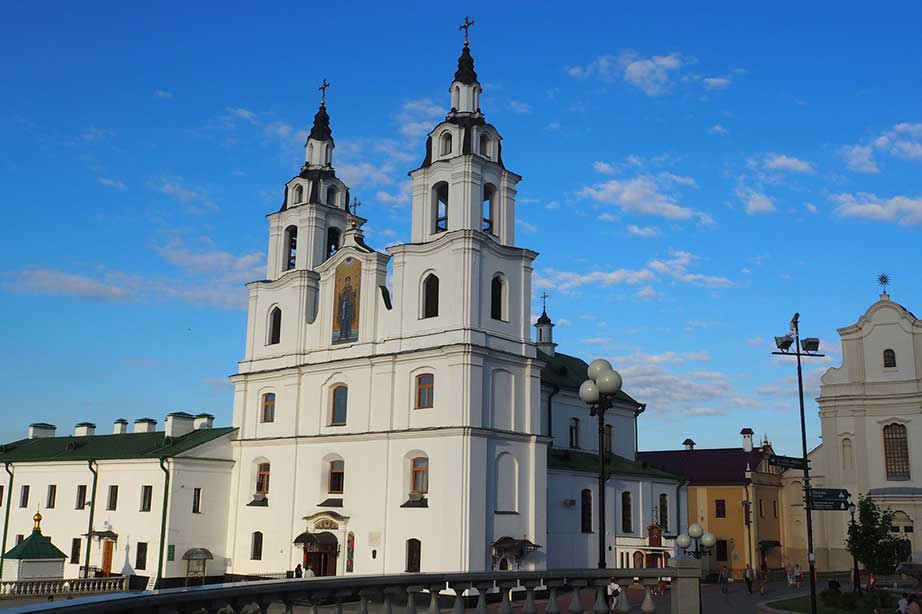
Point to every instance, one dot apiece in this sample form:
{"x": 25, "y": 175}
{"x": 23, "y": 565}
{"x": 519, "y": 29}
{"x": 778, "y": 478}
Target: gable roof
{"x": 715, "y": 466}
{"x": 107, "y": 447}
{"x": 586, "y": 462}
{"x": 36, "y": 546}
{"x": 569, "y": 372}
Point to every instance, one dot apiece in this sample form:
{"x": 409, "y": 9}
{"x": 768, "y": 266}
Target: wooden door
{"x": 107, "y": 547}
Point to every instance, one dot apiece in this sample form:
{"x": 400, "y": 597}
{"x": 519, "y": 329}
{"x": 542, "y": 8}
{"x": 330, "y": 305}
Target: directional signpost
{"x": 786, "y": 462}
{"x": 829, "y": 499}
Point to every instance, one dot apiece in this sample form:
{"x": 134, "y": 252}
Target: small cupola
{"x": 318, "y": 150}
{"x": 465, "y": 89}
{"x": 544, "y": 330}
{"x": 689, "y": 444}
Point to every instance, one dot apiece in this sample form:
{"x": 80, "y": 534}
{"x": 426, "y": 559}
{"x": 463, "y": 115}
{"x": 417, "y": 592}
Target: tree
{"x": 871, "y": 539}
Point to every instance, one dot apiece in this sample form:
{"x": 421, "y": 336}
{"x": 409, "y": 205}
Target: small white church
{"x": 377, "y": 427}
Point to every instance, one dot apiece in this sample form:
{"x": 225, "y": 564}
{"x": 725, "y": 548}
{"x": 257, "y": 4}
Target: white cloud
{"x": 606, "y": 168}
{"x": 597, "y": 340}
{"x": 552, "y": 126}
{"x": 756, "y": 202}
{"x": 111, "y": 183}
{"x": 518, "y": 107}
{"x": 552, "y": 206}
{"x": 790, "y": 164}
{"x": 401, "y": 198}
{"x": 39, "y": 280}
{"x": 566, "y": 280}
{"x": 647, "y": 292}
{"x": 653, "y": 76}
{"x": 608, "y": 217}
{"x": 703, "y": 411}
{"x": 241, "y": 113}
{"x": 196, "y": 201}
{"x": 679, "y": 179}
{"x": 94, "y": 134}
{"x": 419, "y": 116}
{"x": 903, "y": 209}
{"x": 643, "y": 231}
{"x": 677, "y": 267}
{"x": 526, "y": 226}
{"x": 755, "y": 341}
{"x": 810, "y": 207}
{"x": 859, "y": 158}
{"x": 716, "y": 83}
{"x": 904, "y": 141}
{"x": 163, "y": 94}
{"x": 364, "y": 174}
{"x": 717, "y": 129}
{"x": 642, "y": 194}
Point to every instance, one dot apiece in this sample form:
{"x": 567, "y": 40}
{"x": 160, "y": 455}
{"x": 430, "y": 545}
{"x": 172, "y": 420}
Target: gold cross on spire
{"x": 466, "y": 26}
{"x": 323, "y": 89}
{"x": 544, "y": 299}
{"x": 356, "y": 203}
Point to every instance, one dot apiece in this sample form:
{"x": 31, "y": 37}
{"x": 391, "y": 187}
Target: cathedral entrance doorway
{"x": 320, "y": 553}
{"x": 107, "y": 548}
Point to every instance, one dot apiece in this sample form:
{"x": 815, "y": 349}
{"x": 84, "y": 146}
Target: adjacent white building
{"x": 388, "y": 425}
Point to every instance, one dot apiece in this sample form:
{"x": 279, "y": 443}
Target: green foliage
{"x": 878, "y": 599}
{"x": 831, "y": 597}
{"x": 870, "y": 538}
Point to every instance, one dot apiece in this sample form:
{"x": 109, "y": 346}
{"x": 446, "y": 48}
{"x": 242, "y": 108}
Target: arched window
{"x": 298, "y": 194}
{"x": 337, "y": 477}
{"x": 256, "y": 547}
{"x": 431, "y": 296}
{"x": 498, "y": 298}
{"x": 606, "y": 439}
{"x": 446, "y": 143}
{"x": 627, "y": 513}
{"x": 419, "y": 475}
{"x": 425, "y": 383}
{"x": 291, "y": 244}
{"x": 332, "y": 241}
{"x": 489, "y": 192}
{"x": 664, "y": 511}
{"x": 441, "y": 207}
{"x": 889, "y": 359}
{"x": 414, "y": 548}
{"x": 275, "y": 326}
{"x": 848, "y": 459}
{"x": 585, "y": 511}
{"x": 507, "y": 483}
{"x": 328, "y": 154}
{"x": 310, "y": 153}
{"x": 485, "y": 145}
{"x": 574, "y": 432}
{"x": 896, "y": 452}
{"x": 456, "y": 97}
{"x": 639, "y": 560}
{"x": 339, "y": 402}
{"x": 262, "y": 478}
{"x": 332, "y": 192}
{"x": 268, "y": 407}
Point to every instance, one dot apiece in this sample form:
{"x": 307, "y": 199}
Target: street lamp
{"x": 856, "y": 581}
{"x": 598, "y": 392}
{"x": 802, "y": 347}
{"x": 704, "y": 542}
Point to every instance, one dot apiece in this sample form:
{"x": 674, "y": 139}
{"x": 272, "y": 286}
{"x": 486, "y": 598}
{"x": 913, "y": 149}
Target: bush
{"x": 848, "y": 601}
{"x": 831, "y": 597}
{"x": 878, "y": 599}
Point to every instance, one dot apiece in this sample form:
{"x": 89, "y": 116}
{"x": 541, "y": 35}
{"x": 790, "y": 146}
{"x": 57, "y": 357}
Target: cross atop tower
{"x": 544, "y": 301}
{"x": 466, "y": 26}
{"x": 323, "y": 89}
{"x": 356, "y": 203}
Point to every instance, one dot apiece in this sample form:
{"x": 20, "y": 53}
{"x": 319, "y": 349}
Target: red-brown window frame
{"x": 262, "y": 477}
{"x": 425, "y": 393}
{"x": 340, "y": 471}
{"x": 267, "y": 413}
{"x": 422, "y": 470}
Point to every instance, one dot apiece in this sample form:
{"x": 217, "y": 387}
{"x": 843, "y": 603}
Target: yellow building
{"x": 722, "y": 484}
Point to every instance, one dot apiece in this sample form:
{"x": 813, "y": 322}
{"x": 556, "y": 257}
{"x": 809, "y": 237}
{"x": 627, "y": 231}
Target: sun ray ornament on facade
{"x": 883, "y": 280}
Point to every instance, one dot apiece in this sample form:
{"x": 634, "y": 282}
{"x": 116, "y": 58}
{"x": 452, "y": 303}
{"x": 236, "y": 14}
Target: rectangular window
{"x": 586, "y": 511}
{"x": 147, "y": 493}
{"x": 140, "y": 561}
{"x": 52, "y": 496}
{"x": 196, "y": 500}
{"x": 24, "y": 496}
{"x": 337, "y": 477}
{"x": 171, "y": 552}
{"x": 419, "y": 475}
{"x": 775, "y": 508}
{"x": 627, "y": 512}
{"x": 262, "y": 478}
{"x": 81, "y": 497}
{"x": 112, "y": 501}
{"x": 268, "y": 407}
{"x": 574, "y": 432}
{"x": 721, "y": 550}
{"x": 1, "y": 494}
{"x": 424, "y": 389}
{"x": 720, "y": 508}
{"x": 75, "y": 544}
{"x": 761, "y": 509}
{"x": 20, "y": 538}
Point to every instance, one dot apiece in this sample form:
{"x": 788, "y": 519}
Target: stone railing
{"x": 579, "y": 590}
{"x": 74, "y": 586}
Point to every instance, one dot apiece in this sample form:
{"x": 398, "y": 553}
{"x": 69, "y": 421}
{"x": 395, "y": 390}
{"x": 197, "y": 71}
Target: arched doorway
{"x": 320, "y": 552}
{"x": 638, "y": 560}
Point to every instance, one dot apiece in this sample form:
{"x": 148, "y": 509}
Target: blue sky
{"x": 692, "y": 177}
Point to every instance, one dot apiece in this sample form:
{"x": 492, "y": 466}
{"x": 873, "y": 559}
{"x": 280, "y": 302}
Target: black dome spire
{"x": 321, "y": 128}
{"x": 465, "y": 73}
{"x": 544, "y": 319}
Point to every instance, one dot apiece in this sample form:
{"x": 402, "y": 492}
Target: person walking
{"x": 724, "y": 580}
{"x": 749, "y": 576}
{"x": 789, "y": 572}
{"x": 798, "y": 576}
{"x": 763, "y": 577}
{"x": 614, "y": 589}
{"x": 903, "y": 604}
{"x": 309, "y": 572}
{"x": 299, "y": 573}
{"x": 913, "y": 605}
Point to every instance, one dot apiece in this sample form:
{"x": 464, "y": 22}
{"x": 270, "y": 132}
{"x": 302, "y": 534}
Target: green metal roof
{"x": 36, "y": 546}
{"x": 569, "y": 372}
{"x": 106, "y": 447}
{"x": 586, "y": 462}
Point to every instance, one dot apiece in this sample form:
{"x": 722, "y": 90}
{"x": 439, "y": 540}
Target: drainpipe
{"x": 550, "y": 415}
{"x": 6, "y": 517}
{"x": 89, "y": 524}
{"x": 751, "y": 515}
{"x": 166, "y": 493}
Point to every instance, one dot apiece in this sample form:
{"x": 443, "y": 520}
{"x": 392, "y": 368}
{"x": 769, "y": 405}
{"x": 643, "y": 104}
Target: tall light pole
{"x": 856, "y": 579}
{"x": 806, "y": 347}
{"x": 598, "y": 392}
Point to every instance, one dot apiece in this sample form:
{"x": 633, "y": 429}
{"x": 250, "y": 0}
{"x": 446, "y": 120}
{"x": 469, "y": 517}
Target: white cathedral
{"x": 377, "y": 427}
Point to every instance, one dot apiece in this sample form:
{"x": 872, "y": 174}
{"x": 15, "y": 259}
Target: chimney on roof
{"x": 120, "y": 427}
{"x": 84, "y": 429}
{"x": 145, "y": 425}
{"x": 41, "y": 429}
{"x": 179, "y": 423}
{"x": 747, "y": 434}
{"x": 203, "y": 421}
{"x": 689, "y": 444}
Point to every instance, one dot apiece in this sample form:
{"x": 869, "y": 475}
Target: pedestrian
{"x": 789, "y": 572}
{"x": 299, "y": 573}
{"x": 763, "y": 577}
{"x": 903, "y": 604}
{"x": 748, "y": 576}
{"x": 913, "y": 607}
{"x": 613, "y": 591}
{"x": 309, "y": 572}
{"x": 798, "y": 576}
{"x": 724, "y": 580}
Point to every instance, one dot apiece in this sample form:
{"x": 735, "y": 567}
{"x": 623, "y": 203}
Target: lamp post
{"x": 598, "y": 392}
{"x": 802, "y": 347}
{"x": 856, "y": 580}
{"x": 704, "y": 542}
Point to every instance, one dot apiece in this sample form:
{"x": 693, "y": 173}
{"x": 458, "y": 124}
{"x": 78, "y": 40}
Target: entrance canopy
{"x": 324, "y": 539}
{"x": 103, "y": 535}
{"x": 197, "y": 554}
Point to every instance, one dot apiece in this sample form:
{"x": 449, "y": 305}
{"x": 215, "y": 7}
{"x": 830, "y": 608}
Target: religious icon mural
{"x": 346, "y": 301}
{"x": 350, "y": 552}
